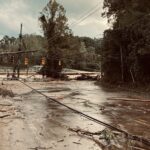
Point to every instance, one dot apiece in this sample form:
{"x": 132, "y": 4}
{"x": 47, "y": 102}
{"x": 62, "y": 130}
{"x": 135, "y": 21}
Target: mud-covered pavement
{"x": 38, "y": 123}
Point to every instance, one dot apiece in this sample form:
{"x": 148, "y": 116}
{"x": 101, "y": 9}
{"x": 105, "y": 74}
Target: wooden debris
{"x": 39, "y": 148}
{"x": 127, "y": 99}
{"x": 5, "y": 104}
{"x": 61, "y": 140}
{"x": 85, "y": 132}
{"x": 142, "y": 122}
{"x": 137, "y": 148}
{"x": 88, "y": 135}
{"x": 77, "y": 143}
{"x": 4, "y": 116}
{"x": 104, "y": 139}
{"x": 3, "y": 110}
{"x": 17, "y": 99}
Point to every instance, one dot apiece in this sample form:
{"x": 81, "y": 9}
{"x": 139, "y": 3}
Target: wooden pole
{"x": 121, "y": 58}
{"x": 20, "y": 48}
{"x": 122, "y": 64}
{"x": 18, "y": 61}
{"x": 132, "y": 76}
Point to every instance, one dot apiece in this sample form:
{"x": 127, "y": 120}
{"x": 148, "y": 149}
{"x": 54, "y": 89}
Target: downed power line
{"x": 127, "y": 135}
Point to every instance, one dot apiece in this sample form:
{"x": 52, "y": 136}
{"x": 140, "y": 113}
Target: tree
{"x": 127, "y": 38}
{"x": 54, "y": 24}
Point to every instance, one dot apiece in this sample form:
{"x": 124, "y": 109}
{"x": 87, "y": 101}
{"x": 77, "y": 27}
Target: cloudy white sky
{"x": 14, "y": 12}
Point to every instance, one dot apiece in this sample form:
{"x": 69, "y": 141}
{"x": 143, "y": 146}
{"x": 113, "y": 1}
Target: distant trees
{"x": 77, "y": 52}
{"x": 30, "y": 42}
{"x": 7, "y": 43}
{"x": 35, "y": 42}
{"x": 91, "y": 53}
{"x": 126, "y": 46}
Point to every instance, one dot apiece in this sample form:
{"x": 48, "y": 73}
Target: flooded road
{"x": 42, "y": 124}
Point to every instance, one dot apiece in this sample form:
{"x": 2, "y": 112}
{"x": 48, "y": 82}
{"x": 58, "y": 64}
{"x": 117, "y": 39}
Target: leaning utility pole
{"x": 18, "y": 61}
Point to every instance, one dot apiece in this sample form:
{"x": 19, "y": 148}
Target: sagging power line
{"x": 80, "y": 20}
{"x": 87, "y": 14}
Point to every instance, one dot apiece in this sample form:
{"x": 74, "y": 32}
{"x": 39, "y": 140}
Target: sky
{"x": 15, "y": 12}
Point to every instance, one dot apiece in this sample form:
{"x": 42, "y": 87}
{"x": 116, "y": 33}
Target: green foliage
{"x": 7, "y": 43}
{"x": 130, "y": 33}
{"x": 62, "y": 45}
{"x": 56, "y": 31}
{"x": 54, "y": 25}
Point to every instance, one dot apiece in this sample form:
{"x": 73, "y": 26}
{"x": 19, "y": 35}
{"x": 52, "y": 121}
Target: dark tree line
{"x": 125, "y": 52}
{"x": 73, "y": 54}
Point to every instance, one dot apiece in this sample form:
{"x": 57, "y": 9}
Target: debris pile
{"x": 6, "y": 109}
{"x": 6, "y": 92}
{"x": 108, "y": 139}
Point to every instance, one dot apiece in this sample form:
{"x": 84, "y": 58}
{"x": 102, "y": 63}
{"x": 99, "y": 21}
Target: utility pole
{"x": 18, "y": 61}
{"x": 20, "y": 38}
{"x": 122, "y": 63}
{"x": 20, "y": 48}
{"x": 121, "y": 58}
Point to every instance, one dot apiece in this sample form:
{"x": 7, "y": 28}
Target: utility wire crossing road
{"x": 127, "y": 135}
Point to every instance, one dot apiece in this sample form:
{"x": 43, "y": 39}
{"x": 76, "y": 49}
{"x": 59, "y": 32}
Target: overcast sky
{"x": 14, "y": 12}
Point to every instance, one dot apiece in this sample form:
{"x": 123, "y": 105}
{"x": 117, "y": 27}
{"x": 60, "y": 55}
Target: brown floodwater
{"x": 44, "y": 124}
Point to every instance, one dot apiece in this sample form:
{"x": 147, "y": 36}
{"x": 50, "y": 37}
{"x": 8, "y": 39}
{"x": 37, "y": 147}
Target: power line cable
{"x": 85, "y": 14}
{"x": 127, "y": 135}
{"x": 84, "y": 18}
{"x": 81, "y": 19}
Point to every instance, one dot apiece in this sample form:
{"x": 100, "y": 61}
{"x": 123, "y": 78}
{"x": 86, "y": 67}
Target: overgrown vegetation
{"x": 63, "y": 48}
{"x": 56, "y": 31}
{"x": 125, "y": 52}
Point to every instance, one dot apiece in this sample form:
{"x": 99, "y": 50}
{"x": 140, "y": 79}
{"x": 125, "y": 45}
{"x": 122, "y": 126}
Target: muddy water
{"x": 44, "y": 124}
